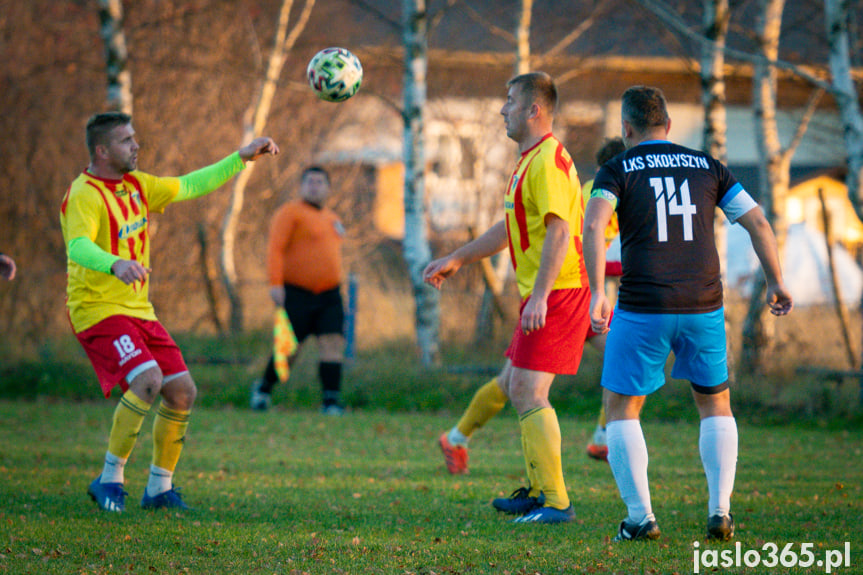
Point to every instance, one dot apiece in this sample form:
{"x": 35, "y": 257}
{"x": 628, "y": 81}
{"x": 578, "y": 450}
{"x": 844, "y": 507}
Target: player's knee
{"x": 147, "y": 385}
{"x": 180, "y": 393}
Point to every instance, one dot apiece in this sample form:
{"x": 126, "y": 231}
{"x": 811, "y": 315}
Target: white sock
{"x": 160, "y": 481}
{"x": 627, "y": 457}
{"x": 599, "y": 436}
{"x": 718, "y": 446}
{"x": 112, "y": 472}
{"x": 456, "y": 437}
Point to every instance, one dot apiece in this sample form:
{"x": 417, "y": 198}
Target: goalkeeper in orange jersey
{"x": 490, "y": 398}
{"x": 105, "y": 218}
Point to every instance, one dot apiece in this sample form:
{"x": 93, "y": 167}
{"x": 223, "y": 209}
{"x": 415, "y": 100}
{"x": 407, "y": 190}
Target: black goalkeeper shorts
{"x": 314, "y": 314}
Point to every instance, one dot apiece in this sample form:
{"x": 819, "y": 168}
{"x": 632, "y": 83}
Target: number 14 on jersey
{"x": 671, "y": 203}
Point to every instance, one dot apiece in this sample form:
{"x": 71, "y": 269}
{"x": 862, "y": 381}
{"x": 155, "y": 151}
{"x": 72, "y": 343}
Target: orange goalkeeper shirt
{"x": 304, "y": 248}
{"x": 544, "y": 182}
{"x": 115, "y": 215}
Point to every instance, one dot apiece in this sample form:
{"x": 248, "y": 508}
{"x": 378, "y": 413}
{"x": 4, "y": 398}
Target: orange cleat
{"x": 455, "y": 455}
{"x": 598, "y": 452}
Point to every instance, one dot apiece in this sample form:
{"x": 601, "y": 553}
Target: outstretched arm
{"x": 210, "y": 178}
{"x": 764, "y": 243}
{"x": 488, "y": 244}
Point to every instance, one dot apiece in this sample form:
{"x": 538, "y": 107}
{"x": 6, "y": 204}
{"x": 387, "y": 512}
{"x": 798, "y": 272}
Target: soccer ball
{"x": 335, "y": 74}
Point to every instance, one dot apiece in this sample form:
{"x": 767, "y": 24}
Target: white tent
{"x": 805, "y": 266}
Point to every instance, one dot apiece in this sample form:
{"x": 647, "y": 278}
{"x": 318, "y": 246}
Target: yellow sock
{"x": 532, "y": 479}
{"x": 541, "y": 431}
{"x": 128, "y": 417}
{"x": 486, "y": 403}
{"x": 169, "y": 434}
{"x": 601, "y": 421}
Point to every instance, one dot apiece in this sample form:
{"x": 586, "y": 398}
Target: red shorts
{"x": 119, "y": 344}
{"x": 557, "y": 347}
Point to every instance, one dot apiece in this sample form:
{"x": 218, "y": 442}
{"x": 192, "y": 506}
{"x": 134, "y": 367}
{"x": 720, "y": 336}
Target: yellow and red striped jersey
{"x": 544, "y": 181}
{"x": 115, "y": 215}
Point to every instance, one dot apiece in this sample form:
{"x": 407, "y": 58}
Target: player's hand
{"x": 779, "y": 300}
{"x": 7, "y": 267}
{"x": 277, "y": 294}
{"x": 257, "y": 148}
{"x": 600, "y": 313}
{"x": 129, "y": 271}
{"x": 440, "y": 269}
{"x": 533, "y": 315}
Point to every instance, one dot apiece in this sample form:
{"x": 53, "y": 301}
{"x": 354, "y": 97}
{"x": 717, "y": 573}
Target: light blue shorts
{"x": 639, "y": 344}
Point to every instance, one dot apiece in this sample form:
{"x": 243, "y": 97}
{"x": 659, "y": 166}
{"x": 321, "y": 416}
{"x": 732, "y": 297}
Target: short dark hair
{"x": 644, "y": 107}
{"x": 99, "y": 125}
{"x": 315, "y": 170}
{"x": 537, "y": 86}
{"x": 609, "y": 148}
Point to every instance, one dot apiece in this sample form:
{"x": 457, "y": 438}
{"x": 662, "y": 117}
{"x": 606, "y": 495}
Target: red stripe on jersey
{"x": 120, "y": 203}
{"x": 509, "y": 241}
{"x": 561, "y": 161}
{"x": 65, "y": 201}
{"x": 520, "y": 215}
{"x": 134, "y": 181}
{"x": 112, "y": 222}
{"x": 133, "y": 203}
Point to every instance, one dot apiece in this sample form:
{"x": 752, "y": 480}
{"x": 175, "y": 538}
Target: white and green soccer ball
{"x": 335, "y": 74}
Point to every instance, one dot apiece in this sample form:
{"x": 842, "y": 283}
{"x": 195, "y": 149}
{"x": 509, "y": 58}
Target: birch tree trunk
{"x": 116, "y": 56}
{"x": 522, "y": 36}
{"x": 836, "y": 16}
{"x": 773, "y": 174}
{"x": 416, "y": 249}
{"x": 254, "y": 120}
{"x": 715, "y": 21}
{"x": 716, "y": 16}
{"x": 837, "y": 13}
{"x": 774, "y": 171}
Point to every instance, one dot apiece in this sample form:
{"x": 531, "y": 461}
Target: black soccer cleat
{"x": 720, "y": 527}
{"x": 647, "y": 530}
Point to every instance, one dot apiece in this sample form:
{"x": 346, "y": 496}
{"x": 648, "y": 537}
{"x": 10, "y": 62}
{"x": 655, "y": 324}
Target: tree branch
{"x": 675, "y": 22}
{"x": 808, "y": 112}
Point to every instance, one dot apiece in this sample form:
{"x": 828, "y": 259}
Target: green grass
{"x": 292, "y": 491}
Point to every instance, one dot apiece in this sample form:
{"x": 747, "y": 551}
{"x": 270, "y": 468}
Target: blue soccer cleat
{"x": 170, "y": 499}
{"x": 547, "y": 515}
{"x": 108, "y": 496}
{"x": 519, "y": 502}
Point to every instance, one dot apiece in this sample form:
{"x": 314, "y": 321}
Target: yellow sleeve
{"x": 159, "y": 192}
{"x": 82, "y": 215}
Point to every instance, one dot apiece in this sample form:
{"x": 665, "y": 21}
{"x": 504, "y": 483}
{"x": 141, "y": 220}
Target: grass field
{"x": 292, "y": 491}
